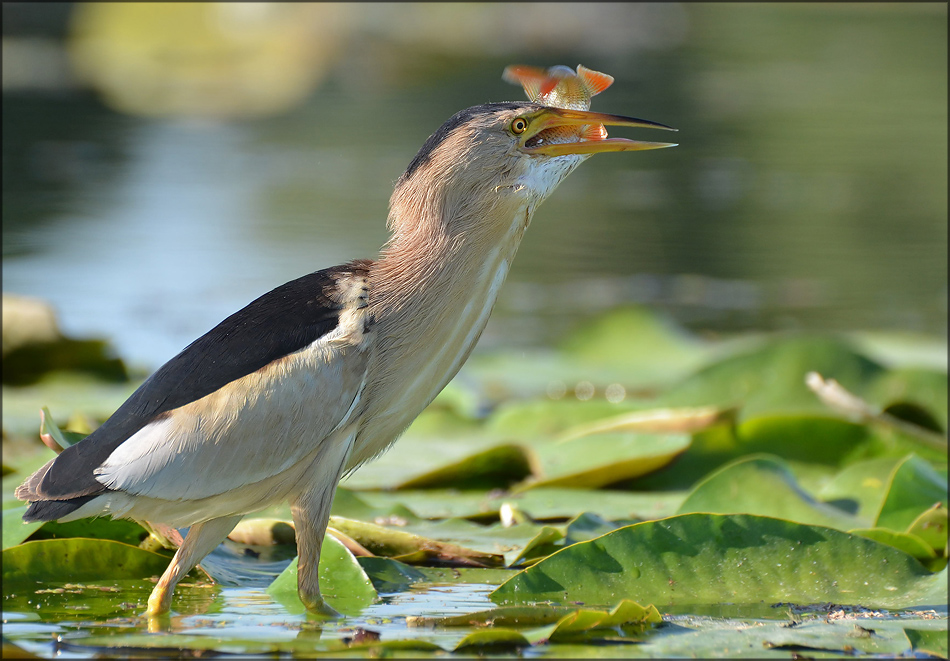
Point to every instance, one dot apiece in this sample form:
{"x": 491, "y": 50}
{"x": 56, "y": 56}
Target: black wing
{"x": 280, "y": 322}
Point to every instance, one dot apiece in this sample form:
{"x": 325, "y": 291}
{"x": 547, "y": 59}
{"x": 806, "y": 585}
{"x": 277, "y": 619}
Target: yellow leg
{"x": 201, "y": 539}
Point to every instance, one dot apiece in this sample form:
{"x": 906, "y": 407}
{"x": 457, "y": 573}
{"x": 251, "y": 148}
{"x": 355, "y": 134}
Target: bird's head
{"x": 486, "y": 159}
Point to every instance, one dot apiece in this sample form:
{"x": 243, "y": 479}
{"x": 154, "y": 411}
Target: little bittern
{"x": 323, "y": 373}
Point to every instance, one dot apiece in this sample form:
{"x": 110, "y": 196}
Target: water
{"x": 809, "y": 190}
{"x": 238, "y": 620}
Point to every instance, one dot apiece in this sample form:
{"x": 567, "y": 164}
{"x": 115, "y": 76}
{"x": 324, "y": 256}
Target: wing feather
{"x": 261, "y": 337}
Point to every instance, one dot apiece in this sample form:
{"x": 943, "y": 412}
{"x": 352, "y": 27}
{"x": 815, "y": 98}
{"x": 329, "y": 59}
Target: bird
{"x": 289, "y": 394}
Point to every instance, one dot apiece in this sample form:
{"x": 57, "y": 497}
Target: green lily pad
{"x": 567, "y": 624}
{"x": 912, "y": 545}
{"x": 435, "y": 440}
{"x": 771, "y": 378}
{"x": 15, "y": 529}
{"x": 544, "y": 418}
{"x": 489, "y": 380}
{"x": 119, "y": 530}
{"x": 639, "y": 342}
{"x": 77, "y": 560}
{"x": 496, "y": 637}
{"x": 588, "y": 525}
{"x": 601, "y": 459}
{"x": 925, "y": 388}
{"x": 762, "y": 485}
{"x": 584, "y": 624}
{"x": 913, "y": 488}
{"x": 737, "y": 558}
{"x": 903, "y": 349}
{"x": 540, "y": 503}
{"x": 655, "y": 421}
{"x": 931, "y": 526}
{"x": 390, "y": 575}
{"x": 860, "y": 488}
{"x": 811, "y": 438}
{"x": 498, "y": 466}
{"x": 818, "y": 440}
{"x": 542, "y": 544}
{"x": 928, "y": 642}
{"x": 24, "y": 466}
{"x": 503, "y": 616}
{"x": 243, "y": 644}
{"x": 343, "y": 583}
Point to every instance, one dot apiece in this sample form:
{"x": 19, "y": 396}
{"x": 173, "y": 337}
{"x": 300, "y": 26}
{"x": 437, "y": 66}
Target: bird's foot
{"x": 159, "y": 602}
{"x": 317, "y": 606}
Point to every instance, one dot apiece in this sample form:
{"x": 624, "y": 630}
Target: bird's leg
{"x": 201, "y": 539}
{"x": 311, "y": 511}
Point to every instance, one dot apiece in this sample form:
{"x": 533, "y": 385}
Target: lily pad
{"x": 928, "y": 642}
{"x": 597, "y": 460}
{"x": 931, "y": 526}
{"x": 343, "y": 583}
{"x": 925, "y": 388}
{"x": 815, "y": 439}
{"x": 78, "y": 559}
{"x": 495, "y": 637}
{"x": 544, "y": 418}
{"x": 588, "y": 525}
{"x": 503, "y": 616}
{"x": 540, "y": 503}
{"x": 762, "y": 485}
{"x": 771, "y": 378}
{"x": 390, "y": 575}
{"x": 436, "y": 439}
{"x": 567, "y": 624}
{"x": 627, "y": 617}
{"x": 737, "y": 558}
{"x": 910, "y": 544}
{"x": 913, "y": 488}
{"x": 498, "y": 466}
{"x": 860, "y": 488}
{"x": 646, "y": 346}
{"x": 655, "y": 421}
{"x": 119, "y": 530}
{"x": 15, "y": 529}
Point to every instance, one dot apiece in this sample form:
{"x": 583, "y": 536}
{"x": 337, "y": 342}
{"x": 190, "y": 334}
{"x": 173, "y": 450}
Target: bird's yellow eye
{"x": 519, "y": 126}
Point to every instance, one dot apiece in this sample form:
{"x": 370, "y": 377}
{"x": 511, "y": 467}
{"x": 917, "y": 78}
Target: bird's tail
{"x": 42, "y": 508}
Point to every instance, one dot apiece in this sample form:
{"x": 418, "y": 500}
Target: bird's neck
{"x": 440, "y": 256}
{"x": 431, "y": 293}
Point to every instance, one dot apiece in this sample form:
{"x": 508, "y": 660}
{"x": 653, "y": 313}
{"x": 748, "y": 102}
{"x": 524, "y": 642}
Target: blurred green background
{"x": 164, "y": 164}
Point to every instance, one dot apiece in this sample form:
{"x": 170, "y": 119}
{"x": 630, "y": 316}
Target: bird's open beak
{"x": 561, "y": 131}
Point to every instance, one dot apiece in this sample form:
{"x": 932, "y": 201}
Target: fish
{"x": 559, "y": 86}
